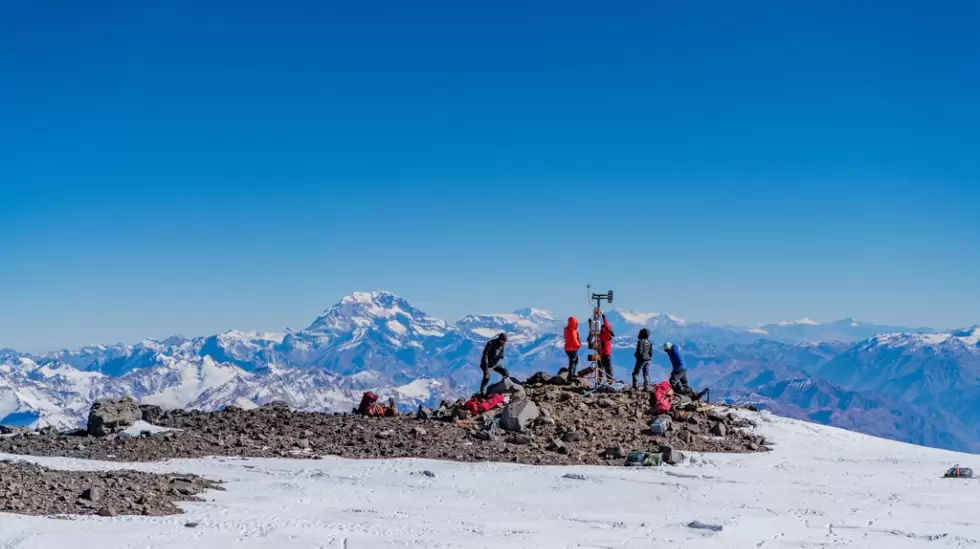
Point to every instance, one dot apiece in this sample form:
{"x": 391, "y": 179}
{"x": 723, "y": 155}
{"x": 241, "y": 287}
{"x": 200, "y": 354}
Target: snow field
{"x": 821, "y": 487}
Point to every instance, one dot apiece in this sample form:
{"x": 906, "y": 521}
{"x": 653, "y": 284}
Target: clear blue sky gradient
{"x": 190, "y": 167}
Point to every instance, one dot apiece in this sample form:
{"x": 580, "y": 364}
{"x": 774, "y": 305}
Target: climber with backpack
{"x": 678, "y": 374}
{"x": 643, "y": 355}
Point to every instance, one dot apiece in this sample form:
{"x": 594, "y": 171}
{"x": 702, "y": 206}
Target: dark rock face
{"x": 109, "y": 416}
{"x": 30, "y": 489}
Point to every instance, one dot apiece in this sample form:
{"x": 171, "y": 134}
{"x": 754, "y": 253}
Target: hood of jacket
{"x": 573, "y": 323}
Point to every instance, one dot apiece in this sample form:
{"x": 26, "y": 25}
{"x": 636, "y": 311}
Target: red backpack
{"x": 367, "y": 402}
{"x": 661, "y": 397}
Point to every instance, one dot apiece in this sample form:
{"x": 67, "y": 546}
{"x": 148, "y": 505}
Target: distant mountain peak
{"x": 536, "y": 314}
{"x": 643, "y": 319}
{"x": 807, "y": 321}
{"x": 969, "y": 338}
{"x": 365, "y": 309}
{"x": 374, "y": 296}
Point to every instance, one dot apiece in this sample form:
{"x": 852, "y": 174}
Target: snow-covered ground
{"x": 820, "y": 487}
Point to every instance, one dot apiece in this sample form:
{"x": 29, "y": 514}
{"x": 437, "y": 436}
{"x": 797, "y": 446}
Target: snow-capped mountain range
{"x": 379, "y": 341}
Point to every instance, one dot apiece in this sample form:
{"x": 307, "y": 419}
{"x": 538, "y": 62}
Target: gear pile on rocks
{"x": 30, "y": 489}
{"x": 545, "y": 422}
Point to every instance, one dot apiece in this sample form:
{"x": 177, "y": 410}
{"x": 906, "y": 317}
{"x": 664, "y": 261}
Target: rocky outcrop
{"x": 572, "y": 426}
{"x": 109, "y": 416}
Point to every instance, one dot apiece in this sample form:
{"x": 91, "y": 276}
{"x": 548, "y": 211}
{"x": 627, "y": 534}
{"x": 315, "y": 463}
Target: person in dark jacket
{"x": 493, "y": 355}
{"x": 678, "y": 373}
{"x": 606, "y": 336}
{"x": 643, "y": 355}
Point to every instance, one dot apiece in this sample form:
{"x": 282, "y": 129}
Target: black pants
{"x": 486, "y": 375}
{"x": 605, "y": 363}
{"x": 572, "y": 363}
{"x": 678, "y": 382}
{"x": 645, "y": 366}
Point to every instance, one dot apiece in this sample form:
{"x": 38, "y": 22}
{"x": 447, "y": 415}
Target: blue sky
{"x": 189, "y": 167}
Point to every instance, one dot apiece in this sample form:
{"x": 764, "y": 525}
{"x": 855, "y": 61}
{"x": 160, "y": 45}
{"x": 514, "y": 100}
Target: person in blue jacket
{"x": 678, "y": 373}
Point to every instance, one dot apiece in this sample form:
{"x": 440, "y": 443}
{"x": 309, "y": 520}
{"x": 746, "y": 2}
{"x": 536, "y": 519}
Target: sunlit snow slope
{"x": 820, "y": 487}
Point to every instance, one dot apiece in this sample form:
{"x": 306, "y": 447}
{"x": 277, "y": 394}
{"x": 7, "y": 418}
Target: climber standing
{"x": 606, "y": 336}
{"x": 643, "y": 355}
{"x": 493, "y": 355}
{"x": 572, "y": 345}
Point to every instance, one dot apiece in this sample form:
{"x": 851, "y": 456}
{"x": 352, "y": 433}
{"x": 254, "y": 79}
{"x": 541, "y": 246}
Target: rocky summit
{"x": 543, "y": 424}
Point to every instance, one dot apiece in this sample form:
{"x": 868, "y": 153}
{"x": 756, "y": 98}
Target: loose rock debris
{"x": 30, "y": 489}
{"x": 544, "y": 424}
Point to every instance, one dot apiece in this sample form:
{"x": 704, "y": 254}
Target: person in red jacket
{"x": 572, "y": 345}
{"x": 606, "y": 336}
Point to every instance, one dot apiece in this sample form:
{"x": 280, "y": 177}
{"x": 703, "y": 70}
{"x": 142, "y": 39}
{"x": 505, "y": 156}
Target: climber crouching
{"x": 678, "y": 374}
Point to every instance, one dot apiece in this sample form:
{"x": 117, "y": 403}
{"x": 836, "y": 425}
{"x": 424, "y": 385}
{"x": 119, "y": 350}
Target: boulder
{"x": 717, "y": 415}
{"x": 540, "y": 378}
{"x": 605, "y": 403}
{"x": 518, "y": 414}
{"x": 572, "y": 436}
{"x": 418, "y": 432}
{"x": 92, "y": 494}
{"x": 506, "y": 386}
{"x": 719, "y": 430}
{"x": 519, "y": 438}
{"x": 614, "y": 452}
{"x": 671, "y": 456}
{"x": 112, "y": 416}
{"x": 693, "y": 428}
{"x": 558, "y": 380}
{"x": 184, "y": 487}
{"x": 686, "y": 436}
{"x": 151, "y": 413}
{"x": 558, "y": 446}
